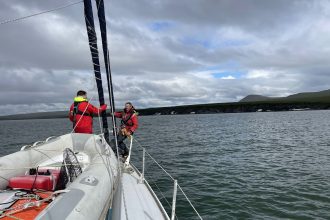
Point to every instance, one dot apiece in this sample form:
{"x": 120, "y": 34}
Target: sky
{"x": 164, "y": 52}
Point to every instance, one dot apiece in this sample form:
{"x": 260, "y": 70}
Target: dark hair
{"x": 129, "y": 103}
{"x": 81, "y": 93}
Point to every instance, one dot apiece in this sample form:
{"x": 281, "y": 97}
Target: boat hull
{"x": 87, "y": 197}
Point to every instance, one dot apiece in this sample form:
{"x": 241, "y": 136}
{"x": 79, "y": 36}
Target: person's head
{"x": 82, "y": 93}
{"x": 128, "y": 106}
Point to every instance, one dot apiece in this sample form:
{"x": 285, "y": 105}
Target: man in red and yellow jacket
{"x": 128, "y": 125}
{"x": 81, "y": 113}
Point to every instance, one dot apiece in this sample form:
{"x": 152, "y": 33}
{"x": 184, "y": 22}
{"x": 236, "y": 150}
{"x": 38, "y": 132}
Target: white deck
{"x": 88, "y": 199}
{"x": 137, "y": 201}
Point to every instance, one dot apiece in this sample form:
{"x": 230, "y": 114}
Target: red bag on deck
{"x": 45, "y": 180}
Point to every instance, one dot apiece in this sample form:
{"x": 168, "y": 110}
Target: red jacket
{"x": 84, "y": 123}
{"x": 128, "y": 120}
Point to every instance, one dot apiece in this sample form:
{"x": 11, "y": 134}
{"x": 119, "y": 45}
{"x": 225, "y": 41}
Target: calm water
{"x": 232, "y": 166}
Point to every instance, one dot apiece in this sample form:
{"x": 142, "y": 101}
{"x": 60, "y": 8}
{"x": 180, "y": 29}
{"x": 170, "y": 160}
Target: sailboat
{"x": 80, "y": 176}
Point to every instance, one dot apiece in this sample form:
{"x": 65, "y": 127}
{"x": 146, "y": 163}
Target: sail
{"x": 92, "y": 38}
{"x": 103, "y": 28}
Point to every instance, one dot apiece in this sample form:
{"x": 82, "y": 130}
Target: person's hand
{"x": 127, "y": 132}
{"x": 103, "y": 107}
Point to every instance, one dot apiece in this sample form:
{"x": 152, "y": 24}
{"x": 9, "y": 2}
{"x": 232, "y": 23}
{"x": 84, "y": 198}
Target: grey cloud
{"x": 250, "y": 14}
{"x": 45, "y": 59}
{"x": 51, "y": 41}
{"x": 21, "y": 86}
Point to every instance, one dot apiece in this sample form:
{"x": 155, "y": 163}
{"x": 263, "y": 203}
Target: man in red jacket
{"x": 81, "y": 113}
{"x": 128, "y": 125}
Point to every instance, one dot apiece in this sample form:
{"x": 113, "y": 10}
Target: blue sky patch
{"x": 228, "y": 68}
{"x": 191, "y": 41}
{"x": 211, "y": 44}
{"x": 233, "y": 43}
{"x": 160, "y": 25}
{"x": 236, "y": 74}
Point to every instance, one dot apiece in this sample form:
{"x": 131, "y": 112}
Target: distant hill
{"x": 252, "y": 103}
{"x": 37, "y": 115}
{"x": 311, "y": 96}
{"x": 256, "y": 98}
{"x": 322, "y": 96}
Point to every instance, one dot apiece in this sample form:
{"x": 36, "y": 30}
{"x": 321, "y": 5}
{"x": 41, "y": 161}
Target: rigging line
{"x": 40, "y": 13}
{"x": 103, "y": 162}
{"x": 102, "y": 23}
{"x": 92, "y": 43}
{"x": 108, "y": 164}
{"x": 154, "y": 160}
{"x": 189, "y": 201}
{"x": 43, "y": 154}
{"x": 153, "y": 182}
{"x": 171, "y": 178}
{"x": 99, "y": 118}
{"x": 45, "y": 166}
{"x": 92, "y": 39}
{"x": 90, "y": 30}
{"x": 4, "y": 178}
{"x": 88, "y": 103}
{"x": 159, "y": 165}
{"x": 93, "y": 46}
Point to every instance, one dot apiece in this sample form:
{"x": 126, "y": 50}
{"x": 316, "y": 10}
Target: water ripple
{"x": 232, "y": 166}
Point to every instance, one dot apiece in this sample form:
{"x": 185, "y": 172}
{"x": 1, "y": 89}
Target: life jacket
{"x": 77, "y": 101}
{"x": 126, "y": 118}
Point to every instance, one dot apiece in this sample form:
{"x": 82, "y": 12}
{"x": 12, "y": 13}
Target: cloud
{"x": 228, "y": 77}
{"x": 254, "y": 74}
{"x": 165, "y": 52}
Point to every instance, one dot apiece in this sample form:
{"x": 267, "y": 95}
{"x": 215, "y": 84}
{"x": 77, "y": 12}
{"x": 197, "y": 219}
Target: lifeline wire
{"x": 171, "y": 178}
{"x": 39, "y": 13}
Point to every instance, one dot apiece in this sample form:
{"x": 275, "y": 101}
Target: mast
{"x": 103, "y": 28}
{"x": 89, "y": 19}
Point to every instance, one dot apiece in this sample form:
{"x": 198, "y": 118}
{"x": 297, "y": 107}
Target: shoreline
{"x": 214, "y": 108}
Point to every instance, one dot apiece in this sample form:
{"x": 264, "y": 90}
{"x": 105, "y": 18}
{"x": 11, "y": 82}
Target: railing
{"x": 175, "y": 181}
{"x": 142, "y": 176}
{"x": 37, "y": 143}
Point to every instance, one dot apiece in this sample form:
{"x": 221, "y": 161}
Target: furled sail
{"x": 103, "y": 28}
{"x": 92, "y": 38}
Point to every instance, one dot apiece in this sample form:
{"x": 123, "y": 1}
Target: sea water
{"x": 269, "y": 165}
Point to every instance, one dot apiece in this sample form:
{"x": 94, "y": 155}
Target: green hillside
{"x": 252, "y": 103}
{"x": 322, "y": 96}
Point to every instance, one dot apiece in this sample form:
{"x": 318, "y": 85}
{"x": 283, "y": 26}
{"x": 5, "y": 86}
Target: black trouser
{"x": 123, "y": 150}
